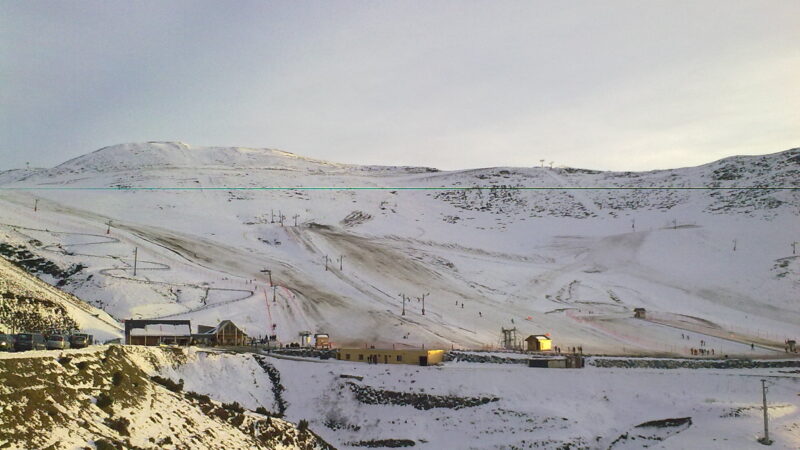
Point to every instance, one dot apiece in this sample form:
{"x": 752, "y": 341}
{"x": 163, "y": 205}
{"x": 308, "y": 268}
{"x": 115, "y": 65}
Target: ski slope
{"x": 571, "y": 262}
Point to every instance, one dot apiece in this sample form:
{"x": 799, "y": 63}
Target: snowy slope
{"x": 512, "y": 406}
{"x": 28, "y": 304}
{"x": 552, "y": 258}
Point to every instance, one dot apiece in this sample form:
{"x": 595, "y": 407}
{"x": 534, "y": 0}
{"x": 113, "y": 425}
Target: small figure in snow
{"x": 480, "y": 314}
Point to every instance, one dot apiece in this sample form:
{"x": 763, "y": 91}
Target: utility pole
{"x": 542, "y": 161}
{"x": 135, "y": 258}
{"x": 404, "y": 303}
{"x": 794, "y": 249}
{"x": 108, "y": 230}
{"x": 36, "y": 205}
{"x": 423, "y": 301}
{"x": 295, "y": 219}
{"x": 734, "y": 245}
{"x": 633, "y": 224}
{"x": 341, "y": 258}
{"x": 281, "y": 217}
{"x": 765, "y": 440}
{"x": 272, "y": 213}
{"x": 274, "y": 294}
{"x": 326, "y": 263}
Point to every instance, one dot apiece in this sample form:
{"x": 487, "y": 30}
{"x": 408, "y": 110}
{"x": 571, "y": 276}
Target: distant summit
{"x": 153, "y": 155}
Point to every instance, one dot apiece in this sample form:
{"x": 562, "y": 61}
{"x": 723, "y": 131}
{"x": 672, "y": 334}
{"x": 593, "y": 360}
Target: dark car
{"x": 80, "y": 340}
{"x": 7, "y": 342}
{"x": 29, "y": 341}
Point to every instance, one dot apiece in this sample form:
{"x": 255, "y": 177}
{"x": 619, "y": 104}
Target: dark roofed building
{"x": 157, "y": 332}
{"x": 226, "y": 333}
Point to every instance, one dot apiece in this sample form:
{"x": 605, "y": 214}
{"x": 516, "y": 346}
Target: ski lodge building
{"x": 226, "y": 333}
{"x": 158, "y": 332}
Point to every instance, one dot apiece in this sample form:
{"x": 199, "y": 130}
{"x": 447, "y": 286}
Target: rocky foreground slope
{"x": 111, "y": 397}
{"x": 29, "y": 304}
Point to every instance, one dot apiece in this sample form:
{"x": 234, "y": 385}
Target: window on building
{"x": 399, "y": 358}
{"x": 360, "y": 357}
{"x": 347, "y": 356}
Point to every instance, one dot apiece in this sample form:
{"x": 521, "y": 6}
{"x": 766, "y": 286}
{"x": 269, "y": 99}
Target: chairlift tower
{"x": 510, "y": 338}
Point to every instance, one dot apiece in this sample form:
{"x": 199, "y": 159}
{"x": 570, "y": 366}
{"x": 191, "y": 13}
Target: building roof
{"x": 390, "y": 350}
{"x": 162, "y": 330}
{"x": 219, "y": 328}
{"x": 147, "y": 324}
{"x": 538, "y": 337}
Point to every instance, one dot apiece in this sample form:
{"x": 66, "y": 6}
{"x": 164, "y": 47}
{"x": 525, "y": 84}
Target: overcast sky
{"x": 626, "y": 85}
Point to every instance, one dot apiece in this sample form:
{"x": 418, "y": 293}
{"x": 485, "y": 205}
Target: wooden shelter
{"x": 639, "y": 313}
{"x": 538, "y": 343}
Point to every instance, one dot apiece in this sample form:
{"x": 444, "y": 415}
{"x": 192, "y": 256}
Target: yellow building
{"x": 538, "y": 343}
{"x": 384, "y": 356}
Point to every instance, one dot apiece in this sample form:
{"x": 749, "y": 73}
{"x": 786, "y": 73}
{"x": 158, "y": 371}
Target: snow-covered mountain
{"x": 559, "y": 250}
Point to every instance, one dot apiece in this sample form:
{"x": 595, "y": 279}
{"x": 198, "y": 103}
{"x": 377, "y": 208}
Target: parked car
{"x": 80, "y": 340}
{"x": 29, "y": 341}
{"x": 7, "y": 342}
{"x": 57, "y": 342}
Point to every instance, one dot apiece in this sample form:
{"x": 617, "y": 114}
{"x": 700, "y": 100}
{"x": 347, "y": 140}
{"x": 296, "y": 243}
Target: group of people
{"x": 578, "y": 349}
{"x": 701, "y": 351}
